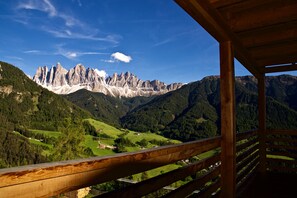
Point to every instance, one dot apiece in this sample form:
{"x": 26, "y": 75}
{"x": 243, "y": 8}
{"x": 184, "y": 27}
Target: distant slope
{"x": 193, "y": 112}
{"x": 103, "y": 107}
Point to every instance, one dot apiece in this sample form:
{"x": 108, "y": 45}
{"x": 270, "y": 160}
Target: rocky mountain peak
{"x": 62, "y": 81}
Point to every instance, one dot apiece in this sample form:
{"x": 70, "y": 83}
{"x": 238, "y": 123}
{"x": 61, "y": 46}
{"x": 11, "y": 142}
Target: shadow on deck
{"x": 270, "y": 184}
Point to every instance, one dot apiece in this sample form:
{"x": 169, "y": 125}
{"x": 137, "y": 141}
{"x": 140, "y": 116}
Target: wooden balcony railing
{"x": 247, "y": 156}
{"x": 281, "y": 147}
{"x": 49, "y": 179}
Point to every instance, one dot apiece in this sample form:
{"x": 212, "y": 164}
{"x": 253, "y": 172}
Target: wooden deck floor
{"x": 270, "y": 185}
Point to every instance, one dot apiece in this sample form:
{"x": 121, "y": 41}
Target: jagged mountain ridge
{"x": 61, "y": 81}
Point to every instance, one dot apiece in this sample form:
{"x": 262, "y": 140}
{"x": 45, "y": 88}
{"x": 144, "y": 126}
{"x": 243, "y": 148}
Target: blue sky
{"x": 154, "y": 39}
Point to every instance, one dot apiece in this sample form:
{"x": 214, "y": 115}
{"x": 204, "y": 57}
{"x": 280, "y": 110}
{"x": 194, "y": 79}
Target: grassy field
{"x": 54, "y": 134}
{"x": 105, "y": 128}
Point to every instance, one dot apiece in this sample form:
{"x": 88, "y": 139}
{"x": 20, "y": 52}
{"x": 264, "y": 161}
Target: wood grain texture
{"x": 44, "y": 180}
{"x": 228, "y": 120}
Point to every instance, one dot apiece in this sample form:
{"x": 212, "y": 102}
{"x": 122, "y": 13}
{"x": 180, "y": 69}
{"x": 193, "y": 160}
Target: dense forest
{"x": 23, "y": 105}
{"x": 193, "y": 111}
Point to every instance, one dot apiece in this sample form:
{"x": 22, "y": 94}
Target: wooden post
{"x": 228, "y": 121}
{"x": 262, "y": 122}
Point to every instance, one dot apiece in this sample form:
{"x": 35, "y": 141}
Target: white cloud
{"x": 118, "y": 56}
{"x": 32, "y": 52}
{"x": 101, "y": 73}
{"x": 72, "y": 27}
{"x": 41, "y": 5}
{"x": 70, "y": 35}
{"x": 72, "y": 54}
{"x": 15, "y": 58}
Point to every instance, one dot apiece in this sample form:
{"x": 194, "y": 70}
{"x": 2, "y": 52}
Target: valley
{"x": 44, "y": 125}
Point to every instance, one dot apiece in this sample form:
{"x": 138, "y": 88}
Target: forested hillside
{"x": 193, "y": 111}
{"x": 24, "y": 104}
{"x": 106, "y": 108}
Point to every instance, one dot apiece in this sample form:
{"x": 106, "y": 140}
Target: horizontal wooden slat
{"x": 282, "y": 168}
{"x": 246, "y": 161}
{"x": 284, "y": 140}
{"x": 282, "y": 132}
{"x": 193, "y": 185}
{"x": 248, "y": 169}
{"x": 284, "y": 68}
{"x": 54, "y": 178}
{"x": 245, "y": 135}
{"x": 246, "y": 144}
{"x": 224, "y": 3}
{"x": 282, "y": 153}
{"x": 155, "y": 183}
{"x": 289, "y": 58}
{"x": 275, "y": 50}
{"x": 282, "y": 165}
{"x": 287, "y": 147}
{"x": 246, "y": 153}
{"x": 243, "y": 181}
{"x": 210, "y": 189}
{"x": 287, "y": 162}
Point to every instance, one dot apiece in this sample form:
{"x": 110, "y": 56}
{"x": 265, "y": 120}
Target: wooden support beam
{"x": 283, "y": 68}
{"x": 262, "y": 123}
{"x": 228, "y": 121}
{"x": 212, "y": 21}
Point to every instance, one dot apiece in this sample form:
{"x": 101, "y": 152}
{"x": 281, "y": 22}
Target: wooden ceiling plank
{"x": 291, "y": 58}
{"x": 242, "y": 6}
{"x": 276, "y": 50}
{"x": 223, "y": 3}
{"x": 284, "y": 68}
{"x": 275, "y": 13}
{"x": 209, "y": 18}
{"x": 269, "y": 35}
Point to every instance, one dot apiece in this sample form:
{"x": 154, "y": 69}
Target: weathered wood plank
{"x": 54, "y": 178}
{"x": 283, "y": 68}
{"x": 193, "y": 185}
{"x": 246, "y": 135}
{"x": 246, "y": 144}
{"x": 246, "y": 153}
{"x": 228, "y": 120}
{"x": 153, "y": 184}
{"x": 262, "y": 122}
{"x": 250, "y": 167}
{"x": 246, "y": 161}
{"x": 282, "y": 132}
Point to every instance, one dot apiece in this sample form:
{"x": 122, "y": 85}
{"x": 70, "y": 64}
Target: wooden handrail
{"x": 281, "y": 132}
{"x": 57, "y": 177}
{"x": 245, "y": 135}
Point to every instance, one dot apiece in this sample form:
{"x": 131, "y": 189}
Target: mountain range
{"x": 188, "y": 113}
{"x": 193, "y": 111}
{"x": 61, "y": 81}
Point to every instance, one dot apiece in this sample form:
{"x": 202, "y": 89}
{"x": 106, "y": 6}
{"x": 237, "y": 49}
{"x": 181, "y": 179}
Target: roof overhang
{"x": 263, "y": 33}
